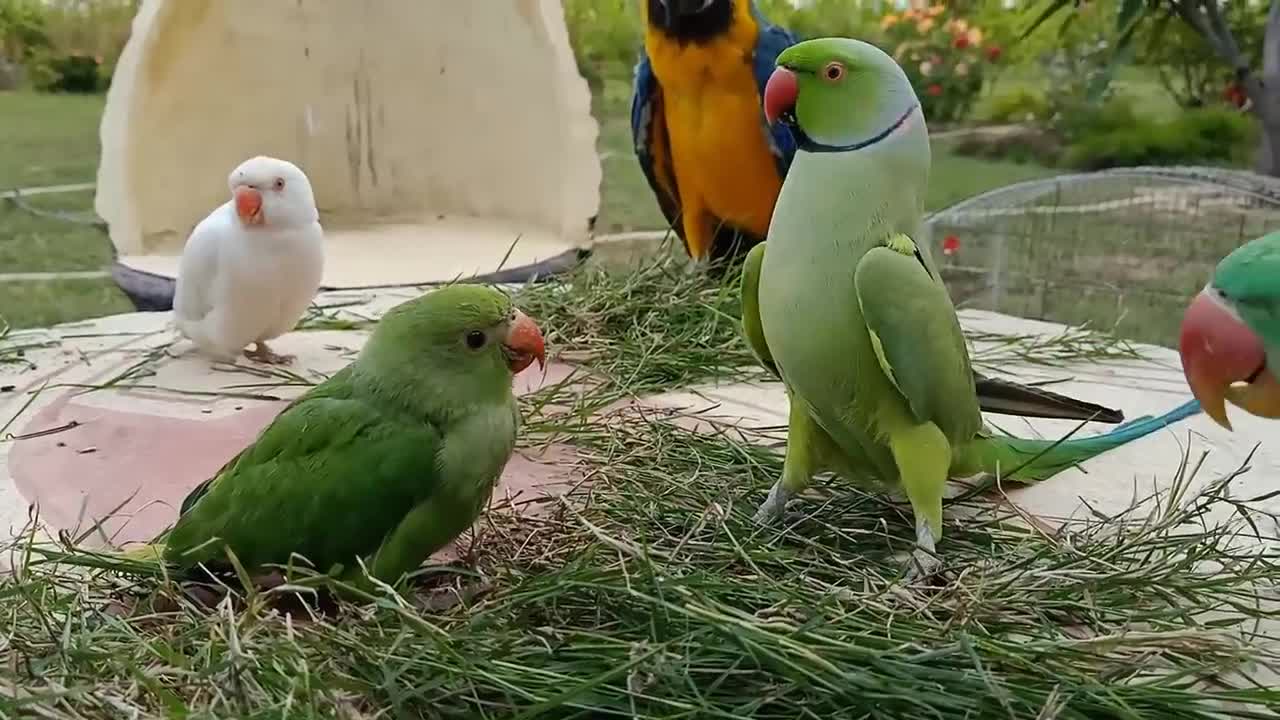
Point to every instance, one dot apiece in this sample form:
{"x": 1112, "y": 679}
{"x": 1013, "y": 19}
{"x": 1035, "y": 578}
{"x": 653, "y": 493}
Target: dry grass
{"x": 650, "y": 593}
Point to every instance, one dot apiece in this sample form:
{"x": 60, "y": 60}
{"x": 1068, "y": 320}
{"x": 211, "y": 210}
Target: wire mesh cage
{"x": 1120, "y": 250}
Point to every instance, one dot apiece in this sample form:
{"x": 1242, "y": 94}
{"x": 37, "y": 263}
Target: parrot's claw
{"x": 925, "y": 561}
{"x": 924, "y": 565}
{"x": 773, "y": 508}
{"x": 264, "y": 354}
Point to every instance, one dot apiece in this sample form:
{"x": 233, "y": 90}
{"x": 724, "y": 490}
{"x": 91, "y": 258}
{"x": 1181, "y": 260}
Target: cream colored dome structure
{"x": 443, "y": 139}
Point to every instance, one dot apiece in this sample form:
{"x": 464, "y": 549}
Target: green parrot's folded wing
{"x": 331, "y": 478}
{"x": 335, "y": 386}
{"x": 917, "y": 337}
{"x": 751, "y": 326}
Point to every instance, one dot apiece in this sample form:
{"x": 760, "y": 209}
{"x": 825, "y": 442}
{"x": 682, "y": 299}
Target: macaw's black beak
{"x": 688, "y": 7}
{"x": 672, "y": 15}
{"x": 660, "y": 10}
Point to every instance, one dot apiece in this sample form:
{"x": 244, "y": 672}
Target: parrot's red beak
{"x": 1218, "y": 350}
{"x": 780, "y": 94}
{"x": 248, "y": 205}
{"x": 524, "y": 344}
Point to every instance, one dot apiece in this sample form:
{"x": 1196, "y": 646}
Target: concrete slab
{"x": 406, "y": 194}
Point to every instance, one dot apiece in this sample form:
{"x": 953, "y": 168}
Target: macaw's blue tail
{"x": 1028, "y": 461}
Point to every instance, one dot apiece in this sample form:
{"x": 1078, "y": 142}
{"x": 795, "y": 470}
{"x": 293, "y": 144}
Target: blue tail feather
{"x": 1148, "y": 424}
{"x": 1027, "y": 460}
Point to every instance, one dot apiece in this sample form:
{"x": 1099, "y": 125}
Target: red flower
{"x": 934, "y": 89}
{"x": 961, "y": 42}
{"x": 950, "y": 245}
{"x": 993, "y": 53}
{"x": 1235, "y": 95}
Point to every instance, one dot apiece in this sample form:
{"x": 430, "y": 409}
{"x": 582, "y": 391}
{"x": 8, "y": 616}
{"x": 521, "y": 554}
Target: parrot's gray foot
{"x": 925, "y": 561}
{"x": 774, "y": 506}
{"x": 264, "y": 354}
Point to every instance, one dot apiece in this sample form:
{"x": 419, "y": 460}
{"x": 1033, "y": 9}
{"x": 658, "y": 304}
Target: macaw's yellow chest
{"x": 719, "y": 150}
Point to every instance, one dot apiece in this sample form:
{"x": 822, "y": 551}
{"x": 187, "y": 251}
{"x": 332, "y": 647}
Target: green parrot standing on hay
{"x": 1230, "y": 339}
{"x": 849, "y": 311}
{"x": 386, "y": 461}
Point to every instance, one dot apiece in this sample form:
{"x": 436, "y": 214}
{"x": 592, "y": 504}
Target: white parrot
{"x": 253, "y": 265}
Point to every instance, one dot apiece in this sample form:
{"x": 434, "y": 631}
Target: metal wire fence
{"x": 1121, "y": 249}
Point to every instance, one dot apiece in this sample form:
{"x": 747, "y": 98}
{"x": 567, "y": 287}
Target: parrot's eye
{"x": 833, "y": 72}
{"x": 475, "y": 339}
{"x": 278, "y": 184}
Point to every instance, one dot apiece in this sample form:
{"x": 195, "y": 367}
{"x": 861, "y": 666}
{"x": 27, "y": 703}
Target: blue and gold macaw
{"x": 698, "y": 124}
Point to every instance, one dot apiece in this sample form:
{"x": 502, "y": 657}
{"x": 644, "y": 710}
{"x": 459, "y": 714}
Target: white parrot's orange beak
{"x": 248, "y": 205}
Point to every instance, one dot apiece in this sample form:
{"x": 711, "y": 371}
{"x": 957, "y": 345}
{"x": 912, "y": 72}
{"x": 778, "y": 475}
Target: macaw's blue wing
{"x": 652, "y": 143}
{"x": 769, "y": 45}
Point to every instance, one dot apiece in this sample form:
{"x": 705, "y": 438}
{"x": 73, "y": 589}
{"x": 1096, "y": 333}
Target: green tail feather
{"x": 153, "y": 552}
{"x": 1029, "y": 461}
{"x": 144, "y": 560}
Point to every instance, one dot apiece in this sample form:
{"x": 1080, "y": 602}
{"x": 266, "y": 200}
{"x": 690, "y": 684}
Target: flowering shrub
{"x": 943, "y": 55}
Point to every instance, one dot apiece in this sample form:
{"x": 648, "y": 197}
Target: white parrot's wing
{"x": 193, "y": 295}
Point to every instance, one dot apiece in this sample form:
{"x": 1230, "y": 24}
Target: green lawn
{"x": 55, "y": 141}
{"x": 51, "y": 140}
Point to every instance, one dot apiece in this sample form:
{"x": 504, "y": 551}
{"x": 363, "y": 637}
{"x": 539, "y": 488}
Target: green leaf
{"x": 1121, "y": 55}
{"x": 1129, "y": 11}
{"x": 1053, "y": 8}
{"x": 1129, "y": 17}
{"x": 1157, "y": 33}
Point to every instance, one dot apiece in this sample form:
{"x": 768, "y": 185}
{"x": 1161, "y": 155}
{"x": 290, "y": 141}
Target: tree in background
{"x": 1188, "y": 67}
{"x": 1253, "y": 62}
{"x": 23, "y": 31}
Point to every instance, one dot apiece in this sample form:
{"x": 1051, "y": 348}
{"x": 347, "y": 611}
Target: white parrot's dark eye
{"x": 475, "y": 339}
{"x": 833, "y": 72}
{"x": 278, "y": 184}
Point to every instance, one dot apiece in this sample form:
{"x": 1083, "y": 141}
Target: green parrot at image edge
{"x": 850, "y": 312}
{"x": 382, "y": 464}
{"x": 1230, "y": 341}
